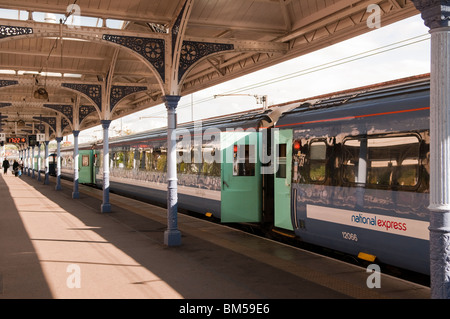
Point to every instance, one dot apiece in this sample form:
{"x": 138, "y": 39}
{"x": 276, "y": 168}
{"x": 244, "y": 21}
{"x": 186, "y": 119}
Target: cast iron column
{"x": 46, "y": 181}
{"x": 436, "y": 14}
{"x": 58, "y": 163}
{"x": 28, "y": 161}
{"x": 106, "y": 206}
{"x": 75, "y": 193}
{"x": 39, "y": 162}
{"x": 440, "y": 163}
{"x": 25, "y": 162}
{"x": 172, "y": 236}
{"x": 32, "y": 163}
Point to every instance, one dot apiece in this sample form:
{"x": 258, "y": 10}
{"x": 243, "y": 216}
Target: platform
{"x": 56, "y": 247}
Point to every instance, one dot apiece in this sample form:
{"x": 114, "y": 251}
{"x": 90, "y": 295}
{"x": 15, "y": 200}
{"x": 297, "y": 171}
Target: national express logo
{"x": 375, "y": 221}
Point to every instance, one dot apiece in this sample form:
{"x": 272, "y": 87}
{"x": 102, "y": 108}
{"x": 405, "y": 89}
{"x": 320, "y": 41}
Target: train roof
{"x": 285, "y": 112}
{"x": 361, "y": 94}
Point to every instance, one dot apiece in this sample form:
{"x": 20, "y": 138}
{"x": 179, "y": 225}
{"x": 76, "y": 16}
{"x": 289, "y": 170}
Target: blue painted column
{"x": 33, "y": 174}
{"x": 75, "y": 193}
{"x": 39, "y": 162}
{"x": 25, "y": 161}
{"x": 46, "y": 180}
{"x": 58, "y": 163}
{"x": 28, "y": 161}
{"x": 106, "y": 206}
{"x": 172, "y": 236}
{"x": 436, "y": 15}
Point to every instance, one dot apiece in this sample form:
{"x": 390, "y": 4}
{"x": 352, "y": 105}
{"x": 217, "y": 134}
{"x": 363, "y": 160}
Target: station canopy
{"x": 66, "y": 65}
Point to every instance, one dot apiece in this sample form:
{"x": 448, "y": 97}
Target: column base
{"x": 75, "y": 195}
{"x": 58, "y": 187}
{"x": 172, "y": 237}
{"x": 105, "y": 208}
{"x": 46, "y": 179}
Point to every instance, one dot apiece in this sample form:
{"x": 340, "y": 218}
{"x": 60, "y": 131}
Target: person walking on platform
{"x": 16, "y": 169}
{"x": 5, "y": 166}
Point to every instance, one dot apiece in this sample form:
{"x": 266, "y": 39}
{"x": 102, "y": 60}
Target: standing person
{"x": 5, "y": 166}
{"x": 15, "y": 167}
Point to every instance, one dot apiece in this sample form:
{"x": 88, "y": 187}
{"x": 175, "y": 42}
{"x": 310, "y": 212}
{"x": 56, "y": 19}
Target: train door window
{"x": 393, "y": 161}
{"x": 350, "y": 160}
{"x": 244, "y": 160}
{"x": 317, "y": 161}
{"x": 85, "y": 160}
{"x": 281, "y": 172}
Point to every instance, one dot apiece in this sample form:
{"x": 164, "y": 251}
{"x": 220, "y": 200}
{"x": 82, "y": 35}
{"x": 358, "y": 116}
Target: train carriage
{"x": 360, "y": 173}
{"x": 346, "y": 171}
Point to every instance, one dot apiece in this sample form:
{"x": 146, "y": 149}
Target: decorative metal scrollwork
{"x": 64, "y": 124}
{"x": 192, "y": 51}
{"x": 119, "y": 92}
{"x": 93, "y": 91}
{"x": 84, "y": 111}
{"x": 38, "y": 127}
{"x": 67, "y": 110}
{"x": 51, "y": 121}
{"x": 11, "y": 31}
{"x": 4, "y": 83}
{"x": 153, "y": 50}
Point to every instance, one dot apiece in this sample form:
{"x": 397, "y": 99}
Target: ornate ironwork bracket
{"x": 119, "y": 92}
{"x": 84, "y": 111}
{"x": 435, "y": 13}
{"x": 1, "y": 118}
{"x": 39, "y": 127}
{"x": 4, "y": 83}
{"x": 51, "y": 121}
{"x": 93, "y": 91}
{"x": 153, "y": 50}
{"x": 65, "y": 109}
{"x": 11, "y": 31}
{"x": 64, "y": 123}
{"x": 192, "y": 52}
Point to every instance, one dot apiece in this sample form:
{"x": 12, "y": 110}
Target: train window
{"x": 85, "y": 160}
{"x": 210, "y": 157}
{"x": 244, "y": 164}
{"x": 317, "y": 161}
{"x": 281, "y": 172}
{"x": 350, "y": 160}
{"x": 386, "y": 161}
{"x": 393, "y": 161}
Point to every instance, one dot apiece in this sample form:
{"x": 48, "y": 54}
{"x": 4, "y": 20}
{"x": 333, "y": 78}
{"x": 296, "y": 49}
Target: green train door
{"x": 241, "y": 179}
{"x": 282, "y": 180}
{"x": 85, "y": 164}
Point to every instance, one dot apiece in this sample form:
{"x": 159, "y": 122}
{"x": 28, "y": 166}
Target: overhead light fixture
{"x": 41, "y": 94}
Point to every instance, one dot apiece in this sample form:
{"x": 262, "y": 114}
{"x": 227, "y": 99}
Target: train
{"x": 347, "y": 171}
